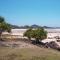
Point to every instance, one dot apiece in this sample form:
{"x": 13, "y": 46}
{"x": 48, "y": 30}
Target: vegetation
{"x": 38, "y": 34}
{"x": 28, "y": 33}
{"x": 4, "y": 26}
{"x": 8, "y": 53}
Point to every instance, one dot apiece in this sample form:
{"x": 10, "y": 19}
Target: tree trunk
{"x": 29, "y": 38}
{"x": 0, "y": 37}
{"x": 0, "y": 34}
{"x": 37, "y": 40}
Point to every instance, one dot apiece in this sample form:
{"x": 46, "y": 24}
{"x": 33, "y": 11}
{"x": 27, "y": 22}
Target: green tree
{"x": 38, "y": 34}
{"x": 4, "y": 26}
{"x": 28, "y": 33}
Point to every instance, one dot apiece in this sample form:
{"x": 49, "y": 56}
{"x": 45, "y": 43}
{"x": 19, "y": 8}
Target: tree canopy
{"x": 28, "y": 33}
{"x": 38, "y": 34}
{"x": 4, "y": 26}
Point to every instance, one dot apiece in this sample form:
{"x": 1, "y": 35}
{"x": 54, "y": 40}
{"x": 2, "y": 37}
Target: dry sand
{"x": 18, "y": 44}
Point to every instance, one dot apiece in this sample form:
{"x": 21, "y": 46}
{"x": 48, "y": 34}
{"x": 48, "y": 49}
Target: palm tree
{"x": 4, "y": 26}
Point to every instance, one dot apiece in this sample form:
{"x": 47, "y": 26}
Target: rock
{"x": 53, "y": 45}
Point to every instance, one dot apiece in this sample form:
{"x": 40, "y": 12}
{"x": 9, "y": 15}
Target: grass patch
{"x": 7, "y": 53}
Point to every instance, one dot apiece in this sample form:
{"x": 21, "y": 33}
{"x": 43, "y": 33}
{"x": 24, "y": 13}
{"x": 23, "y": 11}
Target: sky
{"x": 29, "y": 12}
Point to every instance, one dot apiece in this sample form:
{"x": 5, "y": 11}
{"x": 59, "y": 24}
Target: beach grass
{"x": 8, "y": 53}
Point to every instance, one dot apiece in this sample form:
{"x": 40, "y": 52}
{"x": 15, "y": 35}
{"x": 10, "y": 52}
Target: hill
{"x": 32, "y": 26}
{"x": 26, "y": 53}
